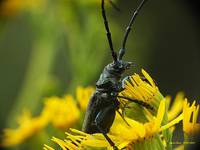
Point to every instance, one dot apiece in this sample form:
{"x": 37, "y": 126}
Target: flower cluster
{"x": 153, "y": 131}
{"x": 61, "y": 112}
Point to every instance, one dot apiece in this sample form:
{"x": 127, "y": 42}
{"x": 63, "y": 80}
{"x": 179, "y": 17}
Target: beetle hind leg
{"x": 103, "y": 122}
{"x": 107, "y": 138}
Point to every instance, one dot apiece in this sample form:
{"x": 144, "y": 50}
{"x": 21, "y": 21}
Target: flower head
{"x": 142, "y": 88}
{"x": 63, "y": 112}
{"x": 28, "y": 126}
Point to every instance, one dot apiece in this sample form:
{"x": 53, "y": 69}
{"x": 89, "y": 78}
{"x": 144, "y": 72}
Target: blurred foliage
{"x": 48, "y": 47}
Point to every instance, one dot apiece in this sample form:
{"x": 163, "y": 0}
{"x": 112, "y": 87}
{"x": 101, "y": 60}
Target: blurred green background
{"x": 50, "y": 47}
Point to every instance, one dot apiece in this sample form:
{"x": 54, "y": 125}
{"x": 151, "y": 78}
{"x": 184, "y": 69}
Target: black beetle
{"x": 103, "y": 103}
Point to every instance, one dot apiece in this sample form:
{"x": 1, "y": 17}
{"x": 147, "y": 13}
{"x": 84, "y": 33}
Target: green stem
{"x": 37, "y": 75}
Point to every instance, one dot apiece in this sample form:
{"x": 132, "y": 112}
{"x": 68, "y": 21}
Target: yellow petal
{"x": 160, "y": 114}
{"x": 172, "y": 123}
{"x": 148, "y": 77}
{"x": 46, "y": 147}
{"x": 96, "y": 143}
{"x": 61, "y": 143}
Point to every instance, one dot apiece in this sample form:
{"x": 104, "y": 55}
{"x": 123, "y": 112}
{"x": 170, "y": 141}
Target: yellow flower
{"x": 143, "y": 88}
{"x": 136, "y": 136}
{"x": 63, "y": 112}
{"x": 28, "y": 126}
{"x": 190, "y": 115}
{"x": 83, "y": 96}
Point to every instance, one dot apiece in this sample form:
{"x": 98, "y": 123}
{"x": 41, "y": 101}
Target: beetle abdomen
{"x": 91, "y": 112}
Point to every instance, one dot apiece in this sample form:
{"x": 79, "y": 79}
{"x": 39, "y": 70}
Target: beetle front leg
{"x": 103, "y": 122}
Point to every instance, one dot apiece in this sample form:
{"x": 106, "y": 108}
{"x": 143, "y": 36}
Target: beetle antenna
{"x": 128, "y": 29}
{"x": 114, "y": 54}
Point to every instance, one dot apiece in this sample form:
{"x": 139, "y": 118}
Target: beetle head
{"x": 119, "y": 66}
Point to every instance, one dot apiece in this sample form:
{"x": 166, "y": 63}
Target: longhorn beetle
{"x": 103, "y": 103}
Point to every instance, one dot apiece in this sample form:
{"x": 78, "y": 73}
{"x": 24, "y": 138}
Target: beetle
{"x": 103, "y": 103}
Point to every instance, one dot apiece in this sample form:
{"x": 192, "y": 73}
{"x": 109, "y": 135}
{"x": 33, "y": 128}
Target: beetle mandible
{"x": 103, "y": 103}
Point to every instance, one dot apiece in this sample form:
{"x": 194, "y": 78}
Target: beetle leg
{"x": 107, "y": 138}
{"x": 123, "y": 117}
{"x": 137, "y": 101}
{"x": 103, "y": 122}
